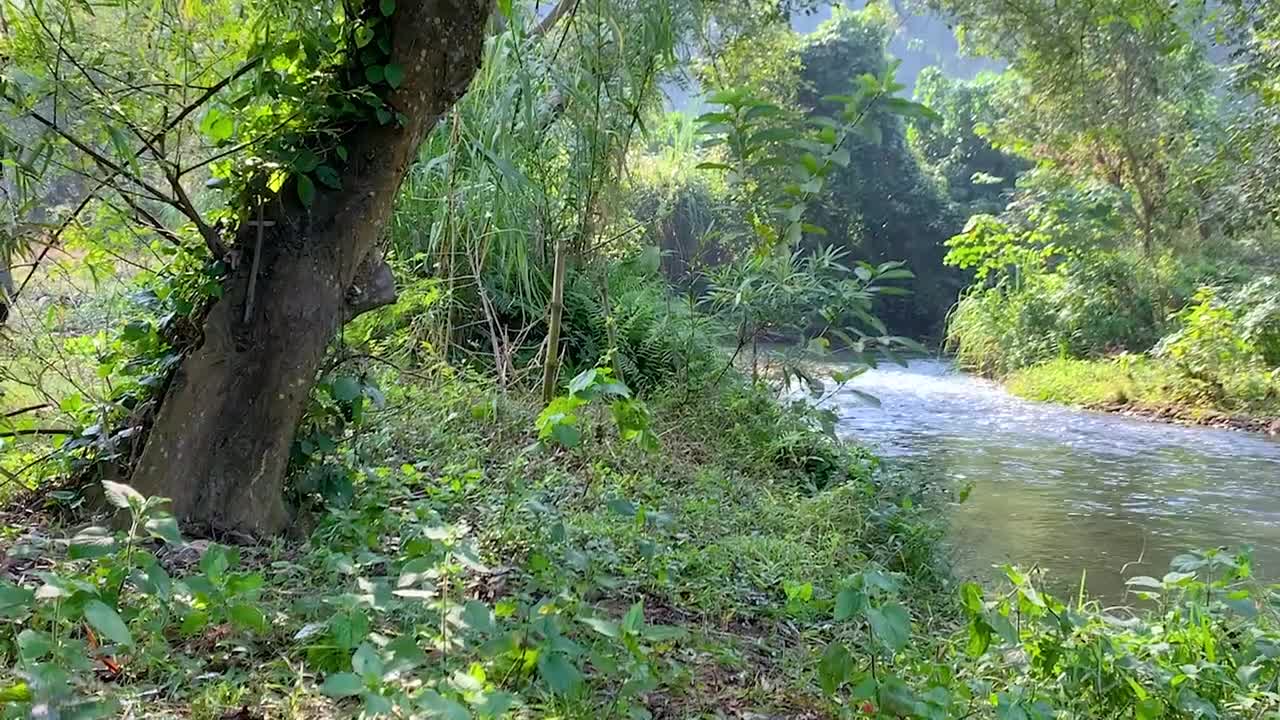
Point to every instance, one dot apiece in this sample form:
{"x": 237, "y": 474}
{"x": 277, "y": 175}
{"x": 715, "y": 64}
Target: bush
{"x": 646, "y": 332}
{"x": 1081, "y": 306}
{"x": 1209, "y": 345}
{"x": 1227, "y": 346}
{"x": 1259, "y": 303}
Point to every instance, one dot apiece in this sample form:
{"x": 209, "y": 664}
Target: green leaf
{"x": 366, "y": 662}
{"x": 848, "y": 603}
{"x": 349, "y": 628}
{"x": 306, "y": 190}
{"x": 607, "y": 628}
{"x": 897, "y": 699}
{"x": 164, "y": 527}
{"x": 1144, "y": 581}
{"x": 376, "y": 704}
{"x": 216, "y": 560}
{"x": 374, "y": 74}
{"x": 890, "y": 625}
{"x": 558, "y": 672}
{"x": 566, "y": 434}
{"x": 121, "y": 145}
{"x": 477, "y": 616}
{"x": 329, "y": 177}
{"x": 342, "y": 685}
{"x": 92, "y": 542}
{"x": 393, "y": 74}
{"x": 834, "y": 667}
{"x": 122, "y": 496}
{"x": 979, "y": 637}
{"x": 633, "y": 621}
{"x": 403, "y": 654}
{"x": 1148, "y": 709}
{"x": 18, "y": 692}
{"x": 971, "y": 597}
{"x": 877, "y": 580}
{"x": 304, "y": 161}
{"x": 438, "y": 706}
{"x": 772, "y": 135}
{"x": 494, "y": 704}
{"x": 33, "y": 644}
{"x": 346, "y": 389}
{"x": 217, "y": 125}
{"x": 248, "y": 617}
{"x": 107, "y": 621}
{"x": 14, "y": 597}
{"x": 387, "y": 7}
{"x": 663, "y": 633}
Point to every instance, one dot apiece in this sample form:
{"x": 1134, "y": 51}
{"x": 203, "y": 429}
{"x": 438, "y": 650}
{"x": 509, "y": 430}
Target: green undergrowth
{"x": 752, "y": 566}
{"x": 1147, "y": 384}
{"x": 472, "y": 572}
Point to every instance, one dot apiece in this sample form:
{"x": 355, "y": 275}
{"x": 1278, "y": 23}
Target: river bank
{"x": 1151, "y": 390}
{"x": 602, "y": 580}
{"x": 1068, "y": 490}
{"x": 752, "y": 567}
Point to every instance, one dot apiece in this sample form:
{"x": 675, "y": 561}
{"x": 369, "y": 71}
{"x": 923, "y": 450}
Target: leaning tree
{"x": 305, "y": 118}
{"x": 262, "y": 146}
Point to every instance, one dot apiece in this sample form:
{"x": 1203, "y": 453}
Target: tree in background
{"x": 1115, "y": 89}
{"x": 978, "y": 175}
{"x": 883, "y": 206}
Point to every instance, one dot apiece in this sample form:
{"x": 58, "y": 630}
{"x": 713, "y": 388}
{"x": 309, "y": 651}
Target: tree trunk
{"x": 6, "y": 286}
{"x": 551, "y": 368}
{"x": 221, "y": 441}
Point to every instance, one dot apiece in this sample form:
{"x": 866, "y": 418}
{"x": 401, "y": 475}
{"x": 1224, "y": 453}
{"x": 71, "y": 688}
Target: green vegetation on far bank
{"x": 1142, "y": 386}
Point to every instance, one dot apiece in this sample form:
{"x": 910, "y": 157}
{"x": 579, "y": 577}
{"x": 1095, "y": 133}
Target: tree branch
{"x": 169, "y": 126}
{"x": 37, "y": 431}
{"x": 150, "y": 220}
{"x": 560, "y": 10}
{"x": 25, "y": 410}
{"x": 97, "y": 156}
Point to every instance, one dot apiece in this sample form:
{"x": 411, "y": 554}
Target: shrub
{"x": 1259, "y": 303}
{"x": 1079, "y": 306}
{"x": 1209, "y": 345}
{"x": 1226, "y": 345}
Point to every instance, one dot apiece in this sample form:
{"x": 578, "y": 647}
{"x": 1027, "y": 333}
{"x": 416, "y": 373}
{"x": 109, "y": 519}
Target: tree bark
{"x": 220, "y": 445}
{"x": 6, "y": 286}
{"x": 551, "y": 368}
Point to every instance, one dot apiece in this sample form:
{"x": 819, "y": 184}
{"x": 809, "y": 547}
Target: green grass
{"x": 1145, "y": 384}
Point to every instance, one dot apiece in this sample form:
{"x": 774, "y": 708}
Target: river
{"x": 1066, "y": 489}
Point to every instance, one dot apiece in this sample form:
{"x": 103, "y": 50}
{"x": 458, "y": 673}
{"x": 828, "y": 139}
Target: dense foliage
{"x": 1144, "y": 226}
{"x": 507, "y": 402}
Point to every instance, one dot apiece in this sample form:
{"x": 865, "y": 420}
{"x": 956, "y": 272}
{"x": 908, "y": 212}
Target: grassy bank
{"x": 751, "y": 567}
{"x": 1153, "y": 388}
{"x": 604, "y": 581}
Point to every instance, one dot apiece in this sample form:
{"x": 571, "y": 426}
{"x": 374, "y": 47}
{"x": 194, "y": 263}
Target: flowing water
{"x": 1066, "y": 489}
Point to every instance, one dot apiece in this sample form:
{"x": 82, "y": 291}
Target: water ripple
{"x": 1070, "y": 489}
